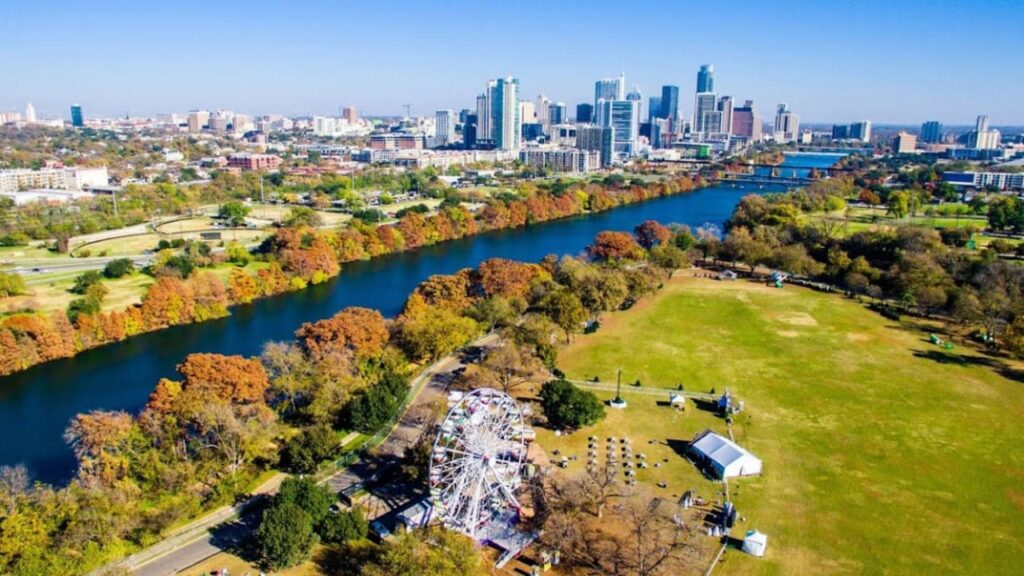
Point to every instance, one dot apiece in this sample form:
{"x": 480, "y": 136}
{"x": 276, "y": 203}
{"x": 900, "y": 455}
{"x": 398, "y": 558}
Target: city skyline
{"x": 162, "y": 59}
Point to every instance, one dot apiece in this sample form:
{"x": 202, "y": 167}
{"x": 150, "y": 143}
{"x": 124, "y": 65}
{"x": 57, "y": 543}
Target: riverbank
{"x": 29, "y": 339}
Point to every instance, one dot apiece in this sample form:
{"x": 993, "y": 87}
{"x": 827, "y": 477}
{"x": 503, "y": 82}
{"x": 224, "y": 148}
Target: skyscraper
{"x": 982, "y": 138}
{"x": 558, "y": 113}
{"x": 787, "y": 124}
{"x": 30, "y": 113}
{"x": 725, "y": 107}
{"x": 469, "y": 131}
{"x": 584, "y": 113}
{"x": 860, "y": 131}
{"x": 543, "y": 111}
{"x": 444, "y": 127}
{"x": 654, "y": 110}
{"x": 507, "y": 125}
{"x": 706, "y": 78}
{"x": 610, "y": 89}
{"x": 484, "y": 111}
{"x": 931, "y": 132}
{"x": 622, "y": 116}
{"x": 636, "y": 96}
{"x": 745, "y": 122}
{"x": 350, "y": 114}
{"x": 77, "y": 119}
{"x": 669, "y": 102}
{"x": 703, "y": 104}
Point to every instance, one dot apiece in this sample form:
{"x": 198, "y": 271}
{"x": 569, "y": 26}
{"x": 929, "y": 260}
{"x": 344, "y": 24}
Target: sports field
{"x": 884, "y": 454}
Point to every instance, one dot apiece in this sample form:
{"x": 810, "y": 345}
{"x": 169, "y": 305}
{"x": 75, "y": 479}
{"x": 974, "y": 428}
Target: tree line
{"x": 297, "y": 255}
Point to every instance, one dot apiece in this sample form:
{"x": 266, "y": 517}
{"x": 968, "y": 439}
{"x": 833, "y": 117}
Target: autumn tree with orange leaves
{"x": 361, "y": 331}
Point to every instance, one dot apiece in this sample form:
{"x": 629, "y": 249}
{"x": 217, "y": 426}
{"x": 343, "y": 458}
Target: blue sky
{"x": 831, "y": 60}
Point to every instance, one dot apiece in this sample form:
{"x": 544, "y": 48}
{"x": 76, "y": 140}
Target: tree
{"x": 509, "y": 367}
{"x": 361, "y": 331}
{"x": 239, "y": 433}
{"x": 291, "y": 374}
{"x": 100, "y": 441}
{"x": 285, "y": 535}
{"x": 305, "y": 451}
{"x": 303, "y": 216}
{"x": 344, "y": 526}
{"x": 315, "y": 499}
{"x": 565, "y": 309}
{"x": 375, "y": 407}
{"x": 218, "y": 378}
{"x": 234, "y": 212}
{"x": 12, "y": 285}
{"x": 431, "y": 552}
{"x": 651, "y": 233}
{"x": 118, "y": 268}
{"x": 429, "y": 332}
{"x": 567, "y": 406}
{"x": 899, "y": 204}
{"x": 496, "y": 311}
{"x": 615, "y": 246}
{"x": 85, "y": 280}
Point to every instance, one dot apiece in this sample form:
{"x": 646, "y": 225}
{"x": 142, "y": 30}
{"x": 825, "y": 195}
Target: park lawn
{"x": 122, "y": 245}
{"x": 16, "y": 254}
{"x": 883, "y": 453}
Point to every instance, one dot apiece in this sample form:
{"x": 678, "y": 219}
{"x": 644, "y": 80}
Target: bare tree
{"x": 14, "y": 483}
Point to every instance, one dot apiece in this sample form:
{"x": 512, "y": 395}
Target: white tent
{"x": 755, "y": 543}
{"x": 676, "y": 400}
{"x": 726, "y": 457}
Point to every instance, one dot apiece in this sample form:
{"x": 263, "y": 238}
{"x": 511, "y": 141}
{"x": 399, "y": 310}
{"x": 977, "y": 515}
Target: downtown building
{"x": 499, "y": 115}
{"x": 787, "y": 125}
{"x": 444, "y": 127}
{"x": 561, "y": 159}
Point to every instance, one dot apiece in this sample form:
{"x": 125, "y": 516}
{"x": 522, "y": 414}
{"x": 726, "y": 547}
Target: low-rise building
{"x": 254, "y": 162}
{"x": 58, "y": 178}
{"x": 1005, "y": 181}
{"x": 561, "y": 159}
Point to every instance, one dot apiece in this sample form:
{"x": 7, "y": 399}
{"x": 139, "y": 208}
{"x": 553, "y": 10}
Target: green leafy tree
{"x": 118, "y": 268}
{"x": 567, "y": 406}
{"x": 12, "y": 285}
{"x": 344, "y": 526}
{"x": 304, "y": 452}
{"x": 85, "y": 280}
{"x": 305, "y": 493}
{"x": 301, "y": 216}
{"x": 234, "y": 212}
{"x": 436, "y": 552}
{"x": 285, "y": 536}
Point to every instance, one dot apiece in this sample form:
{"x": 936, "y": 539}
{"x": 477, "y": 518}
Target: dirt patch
{"x": 787, "y": 333}
{"x": 1017, "y": 498}
{"x": 795, "y": 319}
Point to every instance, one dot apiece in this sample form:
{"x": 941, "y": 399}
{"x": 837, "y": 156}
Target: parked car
{"x": 379, "y": 530}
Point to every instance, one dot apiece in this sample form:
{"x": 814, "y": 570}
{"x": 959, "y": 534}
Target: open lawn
{"x": 856, "y": 219}
{"x": 883, "y": 453}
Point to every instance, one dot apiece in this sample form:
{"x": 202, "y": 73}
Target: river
{"x": 35, "y": 405}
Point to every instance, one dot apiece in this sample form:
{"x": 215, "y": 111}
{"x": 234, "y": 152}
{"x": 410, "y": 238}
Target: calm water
{"x": 35, "y": 405}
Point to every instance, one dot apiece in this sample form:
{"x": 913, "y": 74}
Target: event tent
{"x": 724, "y": 456}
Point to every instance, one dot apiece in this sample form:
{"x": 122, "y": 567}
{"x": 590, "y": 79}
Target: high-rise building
{"x": 622, "y": 116}
{"x": 787, "y": 124}
{"x": 469, "y": 131}
{"x": 30, "y": 113}
{"x": 725, "y": 106}
{"x": 218, "y": 122}
{"x": 558, "y": 114}
{"x": 77, "y": 120}
{"x": 669, "y": 103}
{"x": 745, "y": 122}
{"x": 542, "y": 110}
{"x": 706, "y": 78}
{"x": 527, "y": 112}
{"x": 904, "y": 143}
{"x": 197, "y": 119}
{"x": 653, "y": 108}
{"x": 703, "y": 104}
{"x": 584, "y": 113}
{"x": 350, "y": 114}
{"x": 931, "y": 132}
{"x": 636, "y": 96}
{"x": 860, "y": 131}
{"x": 610, "y": 89}
{"x": 484, "y": 111}
{"x": 444, "y": 127}
{"x": 982, "y": 138}
{"x": 506, "y": 130}
{"x": 840, "y": 131}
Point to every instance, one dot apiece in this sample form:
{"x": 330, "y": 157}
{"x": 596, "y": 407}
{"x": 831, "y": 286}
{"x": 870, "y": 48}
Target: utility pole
{"x": 263, "y": 200}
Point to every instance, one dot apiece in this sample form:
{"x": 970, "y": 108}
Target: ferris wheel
{"x": 476, "y": 461}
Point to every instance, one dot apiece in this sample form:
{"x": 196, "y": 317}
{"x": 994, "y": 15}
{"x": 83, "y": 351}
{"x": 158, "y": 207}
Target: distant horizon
{"x": 843, "y": 61}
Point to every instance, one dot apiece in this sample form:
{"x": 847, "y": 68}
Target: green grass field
{"x": 883, "y": 454}
{"x": 857, "y": 219}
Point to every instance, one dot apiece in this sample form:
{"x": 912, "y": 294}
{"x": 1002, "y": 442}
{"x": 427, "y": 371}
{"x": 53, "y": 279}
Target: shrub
{"x": 85, "y": 280}
{"x": 12, "y": 285}
{"x": 118, "y": 268}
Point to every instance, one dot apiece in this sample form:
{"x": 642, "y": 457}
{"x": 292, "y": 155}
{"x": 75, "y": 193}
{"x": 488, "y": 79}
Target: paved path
{"x": 226, "y": 527}
{"x": 630, "y": 389}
